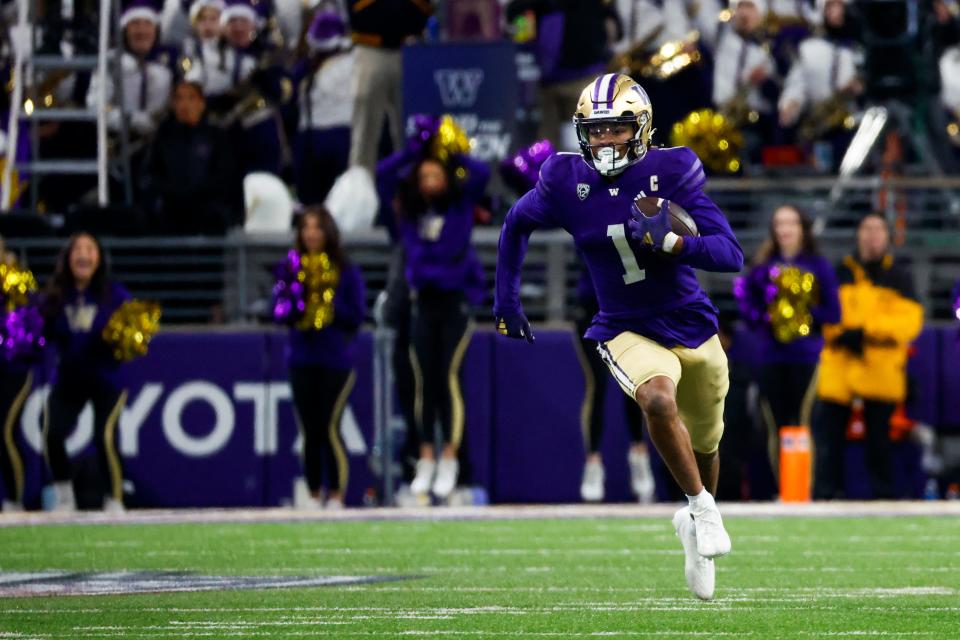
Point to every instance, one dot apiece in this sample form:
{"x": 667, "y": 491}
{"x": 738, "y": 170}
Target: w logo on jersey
{"x": 458, "y": 87}
{"x": 583, "y": 190}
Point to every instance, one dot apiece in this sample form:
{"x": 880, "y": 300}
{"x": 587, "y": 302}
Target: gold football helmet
{"x": 613, "y": 99}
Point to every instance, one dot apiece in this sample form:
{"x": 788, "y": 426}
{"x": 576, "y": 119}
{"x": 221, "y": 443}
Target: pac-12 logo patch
{"x": 583, "y": 190}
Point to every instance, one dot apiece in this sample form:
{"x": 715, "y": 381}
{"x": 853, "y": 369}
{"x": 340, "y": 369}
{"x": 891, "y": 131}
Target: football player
{"x": 656, "y": 328}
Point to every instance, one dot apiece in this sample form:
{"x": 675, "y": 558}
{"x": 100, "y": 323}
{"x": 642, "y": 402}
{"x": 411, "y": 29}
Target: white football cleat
{"x": 423, "y": 480}
{"x": 591, "y": 487}
{"x": 9, "y": 506}
{"x": 334, "y": 504}
{"x": 447, "y": 471}
{"x": 641, "y": 476}
{"x": 712, "y": 539}
{"x": 699, "y": 572}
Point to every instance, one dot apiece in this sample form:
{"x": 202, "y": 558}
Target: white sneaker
{"x": 113, "y": 506}
{"x": 64, "y": 500}
{"x": 641, "y": 476}
{"x": 446, "y": 481}
{"x": 302, "y": 500}
{"x": 699, "y": 572}
{"x": 9, "y": 506}
{"x": 334, "y": 504}
{"x": 423, "y": 480}
{"x": 712, "y": 539}
{"x": 591, "y": 487}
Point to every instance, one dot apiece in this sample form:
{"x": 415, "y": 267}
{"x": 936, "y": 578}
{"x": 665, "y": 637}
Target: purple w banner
{"x": 474, "y": 82}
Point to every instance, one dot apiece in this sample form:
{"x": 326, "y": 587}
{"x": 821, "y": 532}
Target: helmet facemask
{"x": 611, "y": 157}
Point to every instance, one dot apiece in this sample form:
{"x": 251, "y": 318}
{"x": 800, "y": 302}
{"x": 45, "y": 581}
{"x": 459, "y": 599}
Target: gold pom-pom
{"x": 130, "y": 329}
{"x": 797, "y": 291}
{"x": 449, "y": 140}
{"x": 320, "y": 278}
{"x": 712, "y": 137}
{"x": 16, "y": 284}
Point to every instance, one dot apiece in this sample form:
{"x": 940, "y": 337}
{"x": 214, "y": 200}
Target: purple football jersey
{"x": 652, "y": 294}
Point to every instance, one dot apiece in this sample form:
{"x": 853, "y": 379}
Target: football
{"x": 680, "y": 221}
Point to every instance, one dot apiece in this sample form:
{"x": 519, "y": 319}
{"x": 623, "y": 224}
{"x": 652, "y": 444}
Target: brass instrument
{"x": 249, "y": 99}
{"x": 663, "y": 63}
{"x": 737, "y": 109}
{"x": 825, "y": 116}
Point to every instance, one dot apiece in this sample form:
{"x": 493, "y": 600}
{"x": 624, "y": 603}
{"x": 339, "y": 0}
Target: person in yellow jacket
{"x": 865, "y": 358}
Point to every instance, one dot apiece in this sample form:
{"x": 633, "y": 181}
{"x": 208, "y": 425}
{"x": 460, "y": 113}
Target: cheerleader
{"x": 321, "y": 354}
{"x": 789, "y": 360}
{"x": 436, "y": 202}
{"x": 80, "y": 299}
{"x": 16, "y": 378}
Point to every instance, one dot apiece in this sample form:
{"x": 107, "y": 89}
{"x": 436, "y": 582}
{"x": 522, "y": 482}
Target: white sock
{"x": 701, "y": 501}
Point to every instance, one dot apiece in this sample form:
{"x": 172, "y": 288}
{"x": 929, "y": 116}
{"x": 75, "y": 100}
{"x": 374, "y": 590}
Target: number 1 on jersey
{"x": 633, "y": 271}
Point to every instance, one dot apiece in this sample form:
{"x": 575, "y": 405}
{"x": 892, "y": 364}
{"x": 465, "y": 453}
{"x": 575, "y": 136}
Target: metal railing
{"x": 217, "y": 281}
{"x": 228, "y": 280}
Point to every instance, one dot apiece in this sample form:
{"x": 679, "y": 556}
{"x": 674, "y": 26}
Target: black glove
{"x": 851, "y": 340}
{"x": 514, "y": 325}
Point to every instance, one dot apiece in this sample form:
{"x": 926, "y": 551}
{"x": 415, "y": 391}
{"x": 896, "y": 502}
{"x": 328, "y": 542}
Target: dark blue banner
{"x": 474, "y": 82}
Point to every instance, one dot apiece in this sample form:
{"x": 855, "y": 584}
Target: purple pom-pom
{"x": 421, "y": 128}
{"x": 21, "y": 333}
{"x": 288, "y": 302}
{"x": 522, "y": 169}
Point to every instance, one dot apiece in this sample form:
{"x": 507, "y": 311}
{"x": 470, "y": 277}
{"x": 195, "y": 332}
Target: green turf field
{"x": 786, "y": 578}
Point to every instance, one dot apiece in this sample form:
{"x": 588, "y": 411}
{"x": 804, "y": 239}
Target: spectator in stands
{"x": 146, "y": 73}
{"x": 379, "y": 29}
{"x": 593, "y": 414}
{"x": 436, "y": 203}
{"x": 573, "y": 46}
{"x": 203, "y": 43}
{"x": 323, "y": 136}
{"x": 865, "y": 358}
{"x": 745, "y": 86}
{"x": 244, "y": 82}
{"x": 189, "y": 178}
{"x": 789, "y": 346}
{"x": 820, "y": 90}
{"x": 80, "y": 298}
{"x": 321, "y": 356}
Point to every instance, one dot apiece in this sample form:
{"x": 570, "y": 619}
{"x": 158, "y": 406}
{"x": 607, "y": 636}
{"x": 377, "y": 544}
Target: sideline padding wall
{"x": 209, "y": 420}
